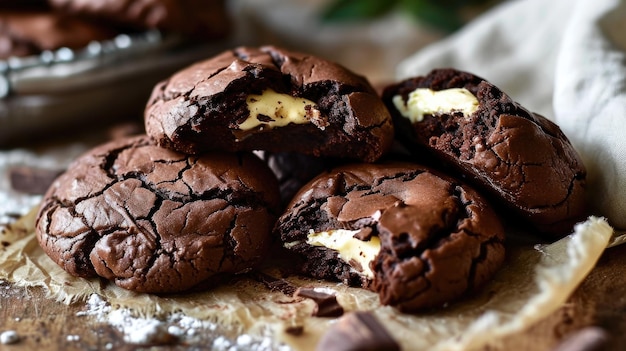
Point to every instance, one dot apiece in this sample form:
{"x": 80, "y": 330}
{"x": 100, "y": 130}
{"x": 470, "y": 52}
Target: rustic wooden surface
{"x": 45, "y": 325}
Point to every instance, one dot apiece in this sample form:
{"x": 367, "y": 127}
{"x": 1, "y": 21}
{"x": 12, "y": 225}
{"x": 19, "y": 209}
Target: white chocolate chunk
{"x": 272, "y": 109}
{"x": 348, "y": 248}
{"x": 424, "y": 101}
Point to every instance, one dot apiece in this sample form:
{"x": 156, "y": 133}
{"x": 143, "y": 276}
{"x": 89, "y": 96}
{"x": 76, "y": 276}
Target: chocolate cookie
{"x": 24, "y": 33}
{"x": 418, "y": 238}
{"x": 270, "y": 99}
{"x": 200, "y": 18}
{"x": 520, "y": 158}
{"x": 157, "y": 221}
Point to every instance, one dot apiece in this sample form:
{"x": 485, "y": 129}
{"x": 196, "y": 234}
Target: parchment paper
{"x": 534, "y": 282}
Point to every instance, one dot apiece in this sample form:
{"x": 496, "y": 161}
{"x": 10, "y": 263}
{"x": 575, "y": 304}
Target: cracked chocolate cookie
{"x": 417, "y": 238}
{"x": 157, "y": 221}
{"x": 270, "y": 99}
{"x": 205, "y": 19}
{"x": 519, "y": 158}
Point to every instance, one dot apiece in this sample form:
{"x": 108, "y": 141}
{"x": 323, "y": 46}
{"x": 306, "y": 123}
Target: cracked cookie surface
{"x": 270, "y": 99}
{"x": 155, "y": 220}
{"x": 519, "y": 158}
{"x": 430, "y": 238}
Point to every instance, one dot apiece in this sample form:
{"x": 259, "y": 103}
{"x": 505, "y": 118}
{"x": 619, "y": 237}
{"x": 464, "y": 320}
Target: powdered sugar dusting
{"x": 14, "y": 204}
{"x": 175, "y": 328}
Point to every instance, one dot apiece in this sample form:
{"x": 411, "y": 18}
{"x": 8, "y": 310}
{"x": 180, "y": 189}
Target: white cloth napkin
{"x": 564, "y": 59}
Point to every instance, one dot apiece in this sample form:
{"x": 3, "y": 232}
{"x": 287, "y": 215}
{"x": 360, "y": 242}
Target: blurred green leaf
{"x": 442, "y": 15}
{"x": 344, "y": 10}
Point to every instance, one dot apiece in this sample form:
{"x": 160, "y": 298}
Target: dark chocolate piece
{"x": 357, "y": 331}
{"x": 521, "y": 159}
{"x": 157, "y": 221}
{"x": 326, "y": 305}
{"x": 275, "y": 284}
{"x": 32, "y": 180}
{"x": 314, "y": 107}
{"x": 295, "y": 330}
{"x": 438, "y": 238}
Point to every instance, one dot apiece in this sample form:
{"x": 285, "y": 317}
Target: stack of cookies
{"x": 190, "y": 202}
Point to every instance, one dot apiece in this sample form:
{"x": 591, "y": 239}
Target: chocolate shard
{"x": 365, "y": 234}
{"x": 275, "y": 284}
{"x": 326, "y": 305}
{"x": 357, "y": 331}
{"x": 32, "y": 180}
{"x": 295, "y": 330}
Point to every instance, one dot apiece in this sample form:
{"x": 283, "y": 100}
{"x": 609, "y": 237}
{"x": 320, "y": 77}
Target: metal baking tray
{"x": 65, "y": 89}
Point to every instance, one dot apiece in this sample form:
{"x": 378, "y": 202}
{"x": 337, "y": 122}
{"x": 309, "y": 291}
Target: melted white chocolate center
{"x": 349, "y": 249}
{"x": 424, "y": 101}
{"x": 272, "y": 109}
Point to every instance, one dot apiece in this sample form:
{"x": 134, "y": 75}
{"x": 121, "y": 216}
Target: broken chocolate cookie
{"x": 519, "y": 158}
{"x": 270, "y": 99}
{"x": 418, "y": 238}
{"x": 154, "y": 220}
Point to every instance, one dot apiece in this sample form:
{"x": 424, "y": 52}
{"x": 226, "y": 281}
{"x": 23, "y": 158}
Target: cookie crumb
{"x": 295, "y": 330}
{"x": 326, "y": 304}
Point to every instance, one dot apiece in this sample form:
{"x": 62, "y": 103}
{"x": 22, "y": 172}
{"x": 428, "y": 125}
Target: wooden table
{"x": 46, "y": 325}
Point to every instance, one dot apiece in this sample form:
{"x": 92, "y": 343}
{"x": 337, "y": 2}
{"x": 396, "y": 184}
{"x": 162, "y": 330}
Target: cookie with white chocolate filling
{"x": 520, "y": 159}
{"x": 418, "y": 238}
{"x": 154, "y": 220}
{"x": 270, "y": 99}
